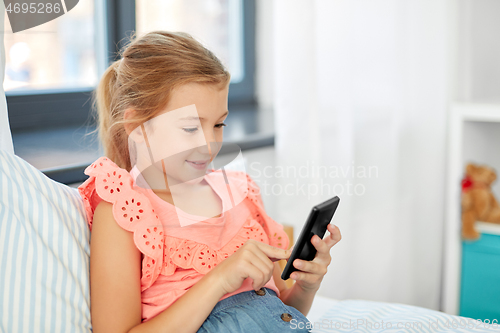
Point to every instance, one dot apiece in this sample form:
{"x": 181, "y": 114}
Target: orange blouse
{"x": 175, "y": 257}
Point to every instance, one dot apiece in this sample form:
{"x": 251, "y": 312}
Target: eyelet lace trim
{"x": 186, "y": 253}
{"x": 277, "y": 236}
{"x": 132, "y": 211}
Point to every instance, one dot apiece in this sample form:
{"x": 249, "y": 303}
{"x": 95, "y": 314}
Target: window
{"x": 67, "y": 52}
{"x": 56, "y": 66}
{"x": 52, "y": 69}
{"x": 218, "y": 24}
{"x": 227, "y": 27}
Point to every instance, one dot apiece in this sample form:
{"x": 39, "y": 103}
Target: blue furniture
{"x": 480, "y": 289}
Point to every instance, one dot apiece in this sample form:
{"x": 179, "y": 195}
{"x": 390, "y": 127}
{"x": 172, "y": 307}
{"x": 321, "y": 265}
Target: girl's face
{"x": 186, "y": 136}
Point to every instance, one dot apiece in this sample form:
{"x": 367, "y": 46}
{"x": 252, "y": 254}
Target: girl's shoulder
{"x": 132, "y": 211}
{"x": 108, "y": 182}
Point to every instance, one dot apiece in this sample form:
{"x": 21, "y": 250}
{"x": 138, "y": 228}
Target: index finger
{"x": 273, "y": 253}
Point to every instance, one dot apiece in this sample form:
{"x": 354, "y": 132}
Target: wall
{"x": 478, "y": 51}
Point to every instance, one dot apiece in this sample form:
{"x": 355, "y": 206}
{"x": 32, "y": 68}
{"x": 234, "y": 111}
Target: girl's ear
{"x": 134, "y": 133}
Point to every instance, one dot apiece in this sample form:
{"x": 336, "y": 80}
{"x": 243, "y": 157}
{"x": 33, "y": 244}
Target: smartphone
{"x": 316, "y": 224}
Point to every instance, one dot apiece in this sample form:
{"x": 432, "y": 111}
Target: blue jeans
{"x": 254, "y": 312}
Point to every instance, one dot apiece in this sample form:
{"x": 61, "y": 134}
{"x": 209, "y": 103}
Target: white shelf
{"x": 474, "y": 127}
{"x": 477, "y": 112}
{"x": 472, "y": 136}
{"x": 488, "y": 228}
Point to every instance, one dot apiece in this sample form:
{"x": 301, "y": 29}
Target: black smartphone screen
{"x": 316, "y": 224}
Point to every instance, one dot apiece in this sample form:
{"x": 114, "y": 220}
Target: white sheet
{"x": 330, "y": 315}
{"x": 319, "y": 306}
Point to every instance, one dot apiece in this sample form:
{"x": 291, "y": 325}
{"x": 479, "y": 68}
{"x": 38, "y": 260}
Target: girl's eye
{"x": 220, "y": 125}
{"x": 190, "y": 129}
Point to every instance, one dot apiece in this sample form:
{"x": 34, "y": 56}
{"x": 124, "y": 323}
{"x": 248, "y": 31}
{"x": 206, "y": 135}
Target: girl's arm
{"x": 308, "y": 278}
{"x": 115, "y": 271}
{"x": 189, "y": 312}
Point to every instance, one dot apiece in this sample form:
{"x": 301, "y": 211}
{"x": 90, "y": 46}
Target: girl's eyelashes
{"x": 194, "y": 129}
{"x": 190, "y": 129}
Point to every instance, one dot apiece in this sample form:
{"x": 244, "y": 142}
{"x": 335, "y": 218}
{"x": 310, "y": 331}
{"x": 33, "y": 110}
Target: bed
{"x": 329, "y": 315}
{"x": 44, "y": 268}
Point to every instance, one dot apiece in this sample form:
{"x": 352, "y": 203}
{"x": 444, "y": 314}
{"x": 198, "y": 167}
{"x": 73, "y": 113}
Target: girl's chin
{"x": 190, "y": 177}
{"x": 194, "y": 181}
{"x": 173, "y": 181}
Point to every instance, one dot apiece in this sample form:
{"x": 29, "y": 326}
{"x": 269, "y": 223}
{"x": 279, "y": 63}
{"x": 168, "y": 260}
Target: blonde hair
{"x": 150, "y": 67}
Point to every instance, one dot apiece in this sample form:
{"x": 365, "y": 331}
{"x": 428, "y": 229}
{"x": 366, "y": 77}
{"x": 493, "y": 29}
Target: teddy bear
{"x": 478, "y": 201}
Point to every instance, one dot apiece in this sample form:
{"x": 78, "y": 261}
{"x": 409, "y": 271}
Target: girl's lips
{"x": 198, "y": 165}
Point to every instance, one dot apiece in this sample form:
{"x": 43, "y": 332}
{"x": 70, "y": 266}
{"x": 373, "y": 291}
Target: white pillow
{"x": 5, "y": 136}
{"x": 44, "y": 252}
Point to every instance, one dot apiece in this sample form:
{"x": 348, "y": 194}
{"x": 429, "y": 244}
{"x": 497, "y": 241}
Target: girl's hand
{"x": 254, "y": 259}
{"x": 311, "y": 272}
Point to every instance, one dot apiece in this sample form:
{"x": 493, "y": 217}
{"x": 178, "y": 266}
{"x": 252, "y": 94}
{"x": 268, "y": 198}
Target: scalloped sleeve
{"x": 132, "y": 211}
{"x": 277, "y": 235}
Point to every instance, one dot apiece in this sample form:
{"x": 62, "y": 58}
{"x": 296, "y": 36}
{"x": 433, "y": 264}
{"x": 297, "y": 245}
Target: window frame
{"x": 70, "y": 107}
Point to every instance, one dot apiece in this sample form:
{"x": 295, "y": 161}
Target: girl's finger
{"x": 256, "y": 275}
{"x": 273, "y": 253}
{"x": 305, "y": 277}
{"x": 257, "y": 270}
{"x": 334, "y": 236}
{"x": 310, "y": 267}
{"x": 320, "y": 244}
{"x": 262, "y": 256}
{"x": 262, "y": 264}
{"x": 323, "y": 254}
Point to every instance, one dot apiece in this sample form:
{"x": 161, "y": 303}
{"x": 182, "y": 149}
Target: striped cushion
{"x": 44, "y": 252}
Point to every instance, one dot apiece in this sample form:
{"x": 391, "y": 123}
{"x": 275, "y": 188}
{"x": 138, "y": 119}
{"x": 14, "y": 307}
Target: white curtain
{"x": 363, "y": 86}
{"x": 5, "y": 136}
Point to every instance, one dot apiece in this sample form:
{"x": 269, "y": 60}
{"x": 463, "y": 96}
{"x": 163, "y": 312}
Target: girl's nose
{"x": 211, "y": 146}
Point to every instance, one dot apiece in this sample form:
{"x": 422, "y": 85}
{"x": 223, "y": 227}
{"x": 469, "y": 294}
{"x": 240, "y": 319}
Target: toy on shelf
{"x": 478, "y": 201}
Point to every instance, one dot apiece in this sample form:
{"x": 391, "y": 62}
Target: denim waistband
{"x": 242, "y": 297}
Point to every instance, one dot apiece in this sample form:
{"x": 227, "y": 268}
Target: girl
{"x": 176, "y": 247}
